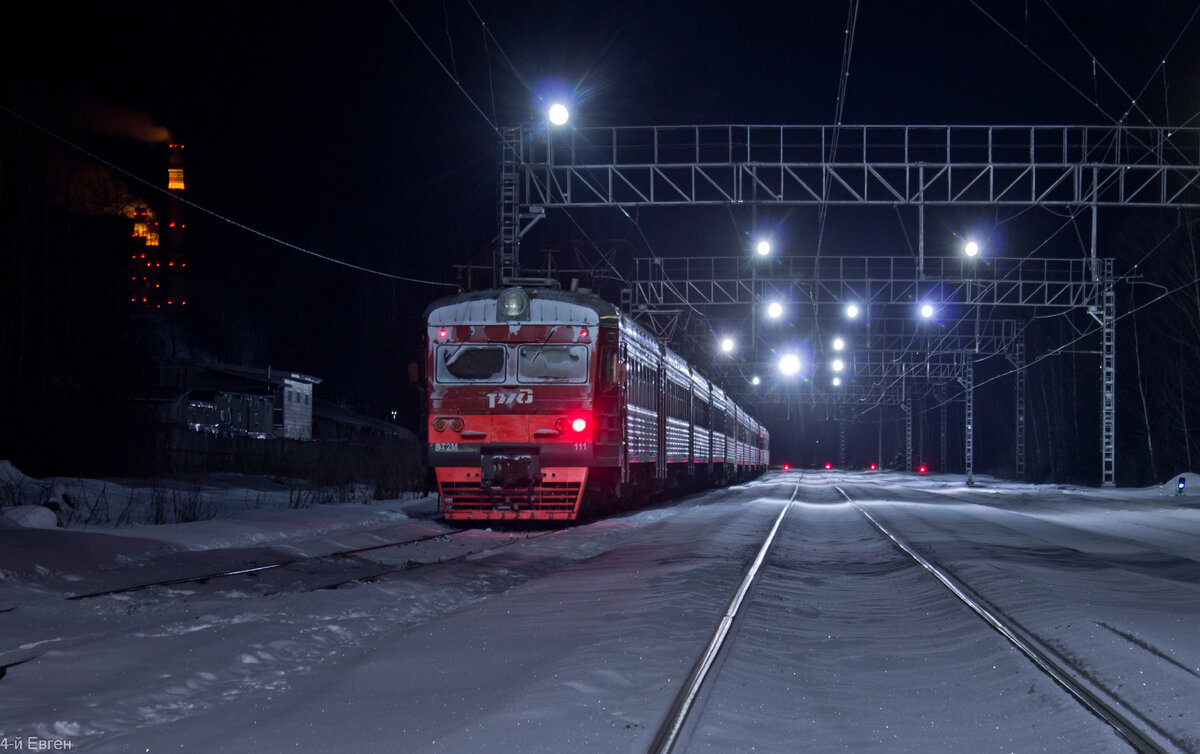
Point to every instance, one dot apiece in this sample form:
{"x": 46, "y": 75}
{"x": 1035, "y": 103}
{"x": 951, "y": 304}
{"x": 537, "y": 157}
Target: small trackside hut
{"x": 545, "y": 404}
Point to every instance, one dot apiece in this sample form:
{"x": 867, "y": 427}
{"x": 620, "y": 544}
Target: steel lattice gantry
{"x": 889, "y": 357}
{"x": 885, "y": 165}
{"x": 919, "y": 166}
{"x": 666, "y": 283}
{"x": 896, "y": 356}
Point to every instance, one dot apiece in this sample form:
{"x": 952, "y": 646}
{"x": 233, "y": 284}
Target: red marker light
{"x": 873, "y": 467}
{"x": 442, "y": 333}
{"x": 579, "y": 424}
{"x": 922, "y": 469}
{"x": 583, "y": 332}
{"x": 787, "y": 467}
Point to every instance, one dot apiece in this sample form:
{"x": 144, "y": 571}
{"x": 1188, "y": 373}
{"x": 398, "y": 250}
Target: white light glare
{"x": 838, "y": 365}
{"x": 971, "y": 249}
{"x": 838, "y": 344}
{"x": 851, "y": 310}
{"x": 763, "y": 248}
{"x": 926, "y": 311}
{"x": 837, "y": 381}
{"x": 726, "y": 345}
{"x": 774, "y": 310}
{"x": 789, "y": 364}
{"x": 754, "y": 380}
{"x": 558, "y": 114}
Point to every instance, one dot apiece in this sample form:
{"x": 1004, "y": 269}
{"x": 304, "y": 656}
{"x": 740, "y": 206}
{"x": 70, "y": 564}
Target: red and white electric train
{"x": 537, "y": 396}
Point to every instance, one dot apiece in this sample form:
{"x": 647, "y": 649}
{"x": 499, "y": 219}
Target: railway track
{"x": 681, "y": 707}
{"x": 1141, "y": 734}
{"x": 348, "y": 556}
{"x": 348, "y": 567}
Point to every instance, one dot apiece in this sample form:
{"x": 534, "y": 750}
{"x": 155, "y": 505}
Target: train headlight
{"x": 456, "y": 424}
{"x": 439, "y": 424}
{"x": 512, "y": 304}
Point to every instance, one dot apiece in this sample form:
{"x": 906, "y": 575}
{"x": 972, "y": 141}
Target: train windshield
{"x": 552, "y": 363}
{"x": 464, "y": 363}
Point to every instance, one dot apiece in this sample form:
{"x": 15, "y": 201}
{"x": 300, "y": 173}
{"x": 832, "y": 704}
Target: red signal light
{"x": 828, "y": 466}
{"x": 787, "y": 467}
{"x": 579, "y": 425}
{"x": 873, "y": 467}
{"x": 922, "y": 469}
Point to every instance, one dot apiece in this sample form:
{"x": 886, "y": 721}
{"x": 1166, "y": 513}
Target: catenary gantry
{"x": 1079, "y": 167}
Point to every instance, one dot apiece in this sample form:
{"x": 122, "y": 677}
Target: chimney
{"x": 175, "y": 168}
{"x": 157, "y": 255}
{"x": 174, "y": 257}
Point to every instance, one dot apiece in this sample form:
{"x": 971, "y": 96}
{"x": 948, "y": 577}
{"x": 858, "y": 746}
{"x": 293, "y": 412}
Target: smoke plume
{"x": 114, "y": 120}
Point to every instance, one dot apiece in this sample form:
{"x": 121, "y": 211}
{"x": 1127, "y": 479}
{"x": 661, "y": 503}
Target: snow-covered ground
{"x": 580, "y": 639}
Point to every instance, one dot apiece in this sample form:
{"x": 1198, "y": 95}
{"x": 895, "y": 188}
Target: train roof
{"x": 543, "y": 300}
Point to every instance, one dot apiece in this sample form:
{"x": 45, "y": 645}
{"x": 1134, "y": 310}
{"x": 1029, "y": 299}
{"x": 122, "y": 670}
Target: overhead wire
{"x": 1094, "y": 101}
{"x": 449, "y": 37}
{"x": 841, "y": 99}
{"x": 516, "y": 71}
{"x": 1025, "y": 45}
{"x": 1092, "y": 331}
{"x": 1134, "y": 136}
{"x": 936, "y": 343}
{"x": 446, "y": 70}
{"x": 1133, "y": 100}
{"x": 839, "y": 109}
{"x": 1163, "y": 63}
{"x": 1071, "y": 218}
{"x": 1088, "y": 332}
{"x": 491, "y": 122}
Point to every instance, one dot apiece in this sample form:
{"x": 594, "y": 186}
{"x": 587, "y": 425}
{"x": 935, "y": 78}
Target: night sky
{"x": 333, "y": 128}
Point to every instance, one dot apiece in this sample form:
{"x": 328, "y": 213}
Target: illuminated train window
{"x": 465, "y": 363}
{"x": 545, "y": 363}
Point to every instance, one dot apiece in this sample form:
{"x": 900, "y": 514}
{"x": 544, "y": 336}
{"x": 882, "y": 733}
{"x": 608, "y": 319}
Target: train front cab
{"x": 515, "y": 420}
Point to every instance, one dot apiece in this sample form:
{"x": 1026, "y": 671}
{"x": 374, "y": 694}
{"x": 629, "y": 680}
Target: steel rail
{"x": 668, "y": 732}
{"x": 257, "y": 569}
{"x": 407, "y": 566}
{"x": 414, "y": 564}
{"x": 1088, "y": 694}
